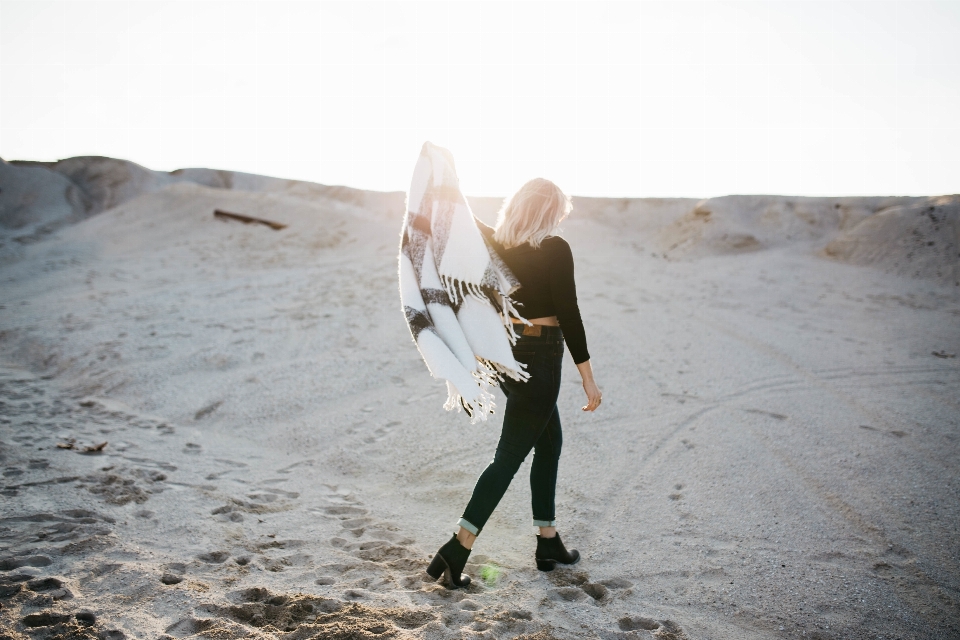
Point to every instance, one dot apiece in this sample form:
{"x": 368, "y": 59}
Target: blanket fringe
{"x": 487, "y": 375}
{"x": 458, "y": 290}
{"x": 497, "y": 371}
{"x": 510, "y": 312}
{"x": 478, "y": 408}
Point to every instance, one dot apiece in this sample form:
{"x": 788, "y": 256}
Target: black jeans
{"x": 530, "y": 421}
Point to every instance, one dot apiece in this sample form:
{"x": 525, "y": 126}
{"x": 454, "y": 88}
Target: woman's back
{"x": 547, "y": 286}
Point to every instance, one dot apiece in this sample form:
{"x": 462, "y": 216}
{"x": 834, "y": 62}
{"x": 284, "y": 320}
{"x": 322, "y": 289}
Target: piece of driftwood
{"x": 276, "y": 226}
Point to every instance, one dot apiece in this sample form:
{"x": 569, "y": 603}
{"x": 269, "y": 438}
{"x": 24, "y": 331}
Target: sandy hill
{"x": 776, "y": 453}
{"x": 40, "y": 197}
{"x": 912, "y": 236}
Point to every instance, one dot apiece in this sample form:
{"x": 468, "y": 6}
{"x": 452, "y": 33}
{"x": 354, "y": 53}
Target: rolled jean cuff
{"x": 469, "y": 527}
{"x": 544, "y": 523}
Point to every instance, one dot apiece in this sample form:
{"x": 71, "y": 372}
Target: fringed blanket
{"x": 455, "y": 290}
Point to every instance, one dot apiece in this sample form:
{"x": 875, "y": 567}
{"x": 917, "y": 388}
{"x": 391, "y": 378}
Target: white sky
{"x": 698, "y": 98}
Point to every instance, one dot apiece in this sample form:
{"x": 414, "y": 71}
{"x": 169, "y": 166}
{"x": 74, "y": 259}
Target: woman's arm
{"x": 563, "y": 288}
{"x": 589, "y": 386}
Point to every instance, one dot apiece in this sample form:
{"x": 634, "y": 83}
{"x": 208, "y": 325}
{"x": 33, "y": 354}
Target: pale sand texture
{"x": 777, "y": 452}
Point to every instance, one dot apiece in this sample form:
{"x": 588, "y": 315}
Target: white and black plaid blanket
{"x": 454, "y": 289}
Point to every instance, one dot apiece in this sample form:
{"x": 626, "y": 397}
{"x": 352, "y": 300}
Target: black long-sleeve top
{"x": 547, "y": 286}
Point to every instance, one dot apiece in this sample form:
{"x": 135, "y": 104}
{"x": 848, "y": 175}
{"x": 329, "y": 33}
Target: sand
{"x": 776, "y": 455}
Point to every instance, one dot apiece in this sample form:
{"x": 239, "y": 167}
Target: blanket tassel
{"x": 458, "y": 290}
{"x": 496, "y": 371}
{"x": 478, "y": 408}
{"x": 510, "y": 312}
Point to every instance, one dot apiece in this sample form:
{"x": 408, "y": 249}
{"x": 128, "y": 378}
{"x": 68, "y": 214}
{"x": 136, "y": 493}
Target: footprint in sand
{"x": 227, "y": 512}
{"x": 263, "y": 501}
{"x": 570, "y": 583}
{"x": 567, "y": 594}
{"x": 373, "y": 541}
{"x": 351, "y": 518}
{"x": 173, "y": 573}
{"x": 321, "y": 616}
{"x": 82, "y": 531}
{"x": 356, "y": 525}
{"x": 43, "y": 592}
{"x": 45, "y": 619}
{"x": 663, "y": 629}
{"x": 296, "y": 465}
{"x": 9, "y": 564}
{"x": 382, "y": 432}
{"x": 637, "y": 623}
{"x": 468, "y": 616}
{"x": 213, "y": 557}
{"x": 105, "y": 412}
{"x": 272, "y": 494}
{"x": 345, "y": 510}
{"x": 616, "y": 583}
{"x": 676, "y": 495}
{"x": 234, "y": 466}
{"x": 279, "y": 564}
{"x": 122, "y": 485}
{"x": 395, "y": 552}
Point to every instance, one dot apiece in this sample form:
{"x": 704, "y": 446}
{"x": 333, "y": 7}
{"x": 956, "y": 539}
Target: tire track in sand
{"x": 937, "y": 603}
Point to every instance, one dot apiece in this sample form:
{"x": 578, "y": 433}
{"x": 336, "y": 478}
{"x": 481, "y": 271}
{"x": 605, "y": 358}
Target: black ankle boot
{"x": 550, "y": 551}
{"x": 450, "y": 561}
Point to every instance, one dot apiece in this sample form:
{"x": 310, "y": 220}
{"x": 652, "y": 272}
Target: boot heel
{"x": 437, "y": 567}
{"x": 546, "y": 565}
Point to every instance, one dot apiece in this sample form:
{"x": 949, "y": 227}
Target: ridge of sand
{"x": 887, "y": 232}
{"x": 911, "y": 236}
{"x": 46, "y": 196}
{"x": 920, "y": 238}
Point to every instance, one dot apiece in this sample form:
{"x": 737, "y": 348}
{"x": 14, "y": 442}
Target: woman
{"x": 543, "y": 264}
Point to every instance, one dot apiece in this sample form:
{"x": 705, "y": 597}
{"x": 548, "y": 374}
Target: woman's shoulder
{"x": 556, "y": 245}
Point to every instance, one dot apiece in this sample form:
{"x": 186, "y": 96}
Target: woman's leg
{"x": 495, "y": 479}
{"x": 529, "y": 409}
{"x": 543, "y": 485}
{"x": 466, "y": 538}
{"x": 543, "y": 476}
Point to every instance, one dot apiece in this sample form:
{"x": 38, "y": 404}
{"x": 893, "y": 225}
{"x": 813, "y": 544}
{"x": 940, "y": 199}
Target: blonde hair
{"x": 531, "y": 214}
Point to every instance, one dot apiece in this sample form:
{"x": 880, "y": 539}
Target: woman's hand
{"x": 590, "y": 387}
{"x": 593, "y": 395}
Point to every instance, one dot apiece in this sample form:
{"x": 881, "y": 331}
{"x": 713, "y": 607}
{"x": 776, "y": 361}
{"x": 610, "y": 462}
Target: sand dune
{"x": 909, "y": 236}
{"x": 917, "y": 237}
{"x": 776, "y": 455}
{"x": 920, "y": 239}
{"x": 43, "y": 196}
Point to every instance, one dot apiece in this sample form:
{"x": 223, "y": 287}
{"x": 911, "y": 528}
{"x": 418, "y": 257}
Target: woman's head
{"x": 531, "y": 214}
